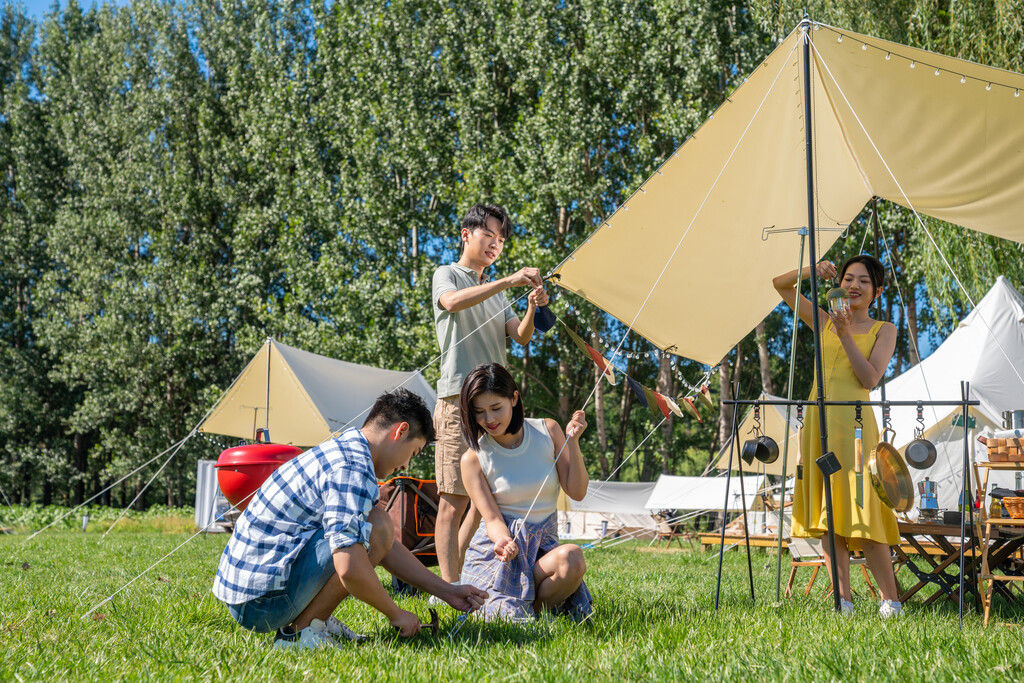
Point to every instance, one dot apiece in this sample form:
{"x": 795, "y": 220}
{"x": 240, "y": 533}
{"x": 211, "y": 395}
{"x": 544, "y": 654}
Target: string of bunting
{"x": 675, "y": 364}
{"x": 659, "y": 404}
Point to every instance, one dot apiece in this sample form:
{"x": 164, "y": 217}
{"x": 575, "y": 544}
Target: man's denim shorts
{"x": 310, "y": 571}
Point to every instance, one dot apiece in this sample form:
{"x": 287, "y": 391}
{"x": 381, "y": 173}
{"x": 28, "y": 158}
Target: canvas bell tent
{"x": 609, "y": 508}
{"x": 303, "y": 398}
{"x": 703, "y": 237}
{"x": 703, "y": 493}
{"x": 981, "y": 350}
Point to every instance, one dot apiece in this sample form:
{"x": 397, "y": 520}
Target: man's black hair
{"x": 401, "y": 405}
{"x": 477, "y": 217}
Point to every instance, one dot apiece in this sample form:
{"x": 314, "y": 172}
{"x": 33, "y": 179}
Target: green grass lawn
{"x": 654, "y": 620}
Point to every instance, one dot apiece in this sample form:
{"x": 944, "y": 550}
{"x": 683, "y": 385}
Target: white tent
{"x": 302, "y": 397}
{"x": 702, "y": 493}
{"x": 980, "y": 350}
{"x": 609, "y": 508}
{"x": 907, "y": 125}
{"x": 773, "y": 424}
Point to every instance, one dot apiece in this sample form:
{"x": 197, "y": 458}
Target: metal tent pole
{"x": 789, "y": 409}
{"x": 270, "y": 349}
{"x": 965, "y": 392}
{"x": 743, "y": 506}
{"x": 878, "y": 300}
{"x": 725, "y": 505}
{"x": 818, "y": 368}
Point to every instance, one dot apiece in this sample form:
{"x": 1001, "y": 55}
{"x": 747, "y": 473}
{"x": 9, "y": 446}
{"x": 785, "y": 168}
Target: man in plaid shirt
{"x": 312, "y": 535}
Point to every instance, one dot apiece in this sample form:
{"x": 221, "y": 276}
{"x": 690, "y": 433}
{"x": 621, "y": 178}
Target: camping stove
{"x": 929, "y": 506}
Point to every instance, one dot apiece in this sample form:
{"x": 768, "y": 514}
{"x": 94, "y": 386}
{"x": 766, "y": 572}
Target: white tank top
{"x": 515, "y": 474}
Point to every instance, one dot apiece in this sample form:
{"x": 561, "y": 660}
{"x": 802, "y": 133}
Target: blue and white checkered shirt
{"x": 331, "y": 487}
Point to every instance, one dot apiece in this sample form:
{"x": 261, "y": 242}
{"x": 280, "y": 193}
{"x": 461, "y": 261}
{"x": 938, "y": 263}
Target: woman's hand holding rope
{"x": 576, "y": 426}
{"x": 505, "y": 549}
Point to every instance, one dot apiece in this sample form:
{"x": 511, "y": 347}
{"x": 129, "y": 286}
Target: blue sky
{"x": 37, "y": 8}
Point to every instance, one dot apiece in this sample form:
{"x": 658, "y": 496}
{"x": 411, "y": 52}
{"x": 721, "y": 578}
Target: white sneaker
{"x": 313, "y": 636}
{"x": 339, "y": 630}
{"x": 845, "y": 607}
{"x": 890, "y": 608}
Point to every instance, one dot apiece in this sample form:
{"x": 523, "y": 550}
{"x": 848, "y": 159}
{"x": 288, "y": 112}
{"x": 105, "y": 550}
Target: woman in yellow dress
{"x": 855, "y": 352}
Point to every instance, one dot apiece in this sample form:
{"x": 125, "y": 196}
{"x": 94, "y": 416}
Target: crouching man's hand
{"x": 407, "y": 623}
{"x": 464, "y": 598}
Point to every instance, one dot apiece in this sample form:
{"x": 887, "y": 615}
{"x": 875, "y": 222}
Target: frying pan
{"x": 890, "y": 477}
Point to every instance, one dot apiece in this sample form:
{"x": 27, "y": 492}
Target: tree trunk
{"x": 625, "y": 408}
{"x": 524, "y": 380}
{"x": 80, "y": 465}
{"x": 724, "y": 411}
{"x": 666, "y": 387}
{"x": 897, "y": 355}
{"x": 726, "y": 377}
{"x": 763, "y": 358}
{"x": 602, "y": 434}
{"x": 563, "y": 394}
{"x": 911, "y": 300}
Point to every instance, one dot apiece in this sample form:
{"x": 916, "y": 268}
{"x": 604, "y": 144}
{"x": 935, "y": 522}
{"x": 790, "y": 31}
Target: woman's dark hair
{"x": 401, "y": 405}
{"x": 493, "y": 378}
{"x": 477, "y": 217}
{"x": 876, "y": 271}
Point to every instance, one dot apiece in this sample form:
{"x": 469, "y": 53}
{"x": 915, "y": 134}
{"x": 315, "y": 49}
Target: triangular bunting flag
{"x": 576, "y": 339}
{"x": 603, "y": 365}
{"x": 638, "y": 390}
{"x": 704, "y": 396}
{"x": 662, "y": 404}
{"x": 652, "y": 402}
{"x": 543, "y": 319}
{"x": 674, "y": 407}
{"x": 692, "y": 409}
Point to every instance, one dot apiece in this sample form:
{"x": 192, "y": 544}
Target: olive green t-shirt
{"x": 463, "y": 345}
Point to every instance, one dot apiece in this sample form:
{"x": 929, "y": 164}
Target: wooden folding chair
{"x": 669, "y": 532}
{"x": 807, "y": 552}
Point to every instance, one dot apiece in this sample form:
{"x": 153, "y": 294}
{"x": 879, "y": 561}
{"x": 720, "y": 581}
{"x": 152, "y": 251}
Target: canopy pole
{"x": 878, "y": 300}
{"x": 725, "y": 505}
{"x": 743, "y": 506}
{"x": 813, "y": 254}
{"x": 785, "y": 444}
{"x": 270, "y": 349}
{"x": 966, "y": 490}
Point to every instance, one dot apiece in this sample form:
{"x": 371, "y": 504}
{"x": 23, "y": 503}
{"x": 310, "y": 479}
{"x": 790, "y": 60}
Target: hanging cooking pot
{"x": 763, "y": 448}
{"x": 890, "y": 477}
{"x": 749, "y": 451}
{"x": 920, "y": 452}
{"x": 767, "y": 449}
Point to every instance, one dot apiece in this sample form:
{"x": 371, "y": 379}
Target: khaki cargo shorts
{"x": 449, "y": 447}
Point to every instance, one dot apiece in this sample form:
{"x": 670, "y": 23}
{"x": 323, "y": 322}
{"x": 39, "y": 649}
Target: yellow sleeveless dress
{"x": 875, "y": 521}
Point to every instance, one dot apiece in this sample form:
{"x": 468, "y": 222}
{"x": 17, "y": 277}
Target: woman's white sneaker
{"x": 890, "y": 608}
{"x": 845, "y": 607}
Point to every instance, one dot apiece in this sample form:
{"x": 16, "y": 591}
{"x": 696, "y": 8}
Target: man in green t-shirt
{"x": 472, "y": 318}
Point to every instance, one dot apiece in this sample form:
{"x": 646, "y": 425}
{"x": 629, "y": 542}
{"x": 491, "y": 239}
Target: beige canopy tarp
{"x": 773, "y": 423}
{"x": 310, "y": 396}
{"x": 951, "y": 145}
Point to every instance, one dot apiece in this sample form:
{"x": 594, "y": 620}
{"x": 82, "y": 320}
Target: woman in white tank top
{"x": 513, "y": 478}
